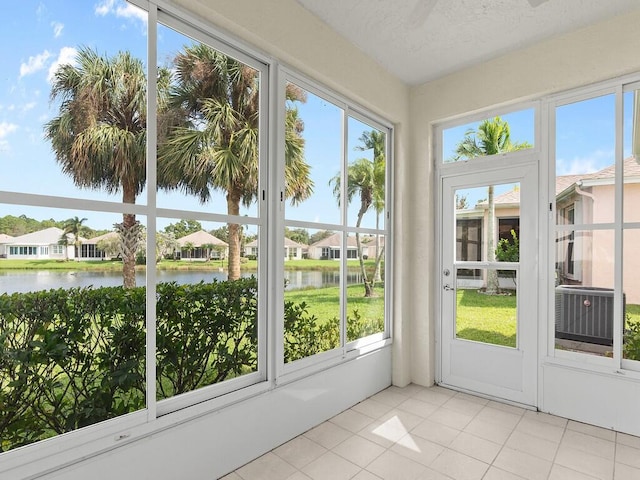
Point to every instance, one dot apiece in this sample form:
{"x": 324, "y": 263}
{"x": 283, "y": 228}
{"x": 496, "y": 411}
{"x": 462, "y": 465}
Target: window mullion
{"x": 618, "y": 309}
{"x": 152, "y": 89}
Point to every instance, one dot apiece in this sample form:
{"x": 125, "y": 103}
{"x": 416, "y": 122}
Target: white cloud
{"x": 5, "y": 129}
{"x": 120, "y": 9}
{"x": 28, "y": 106}
{"x": 57, "y": 29}
{"x": 34, "y": 64}
{"x": 590, "y": 163}
{"x": 66, "y": 55}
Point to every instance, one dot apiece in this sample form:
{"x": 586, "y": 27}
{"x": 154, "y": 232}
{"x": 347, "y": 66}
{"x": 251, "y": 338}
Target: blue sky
{"x": 46, "y": 33}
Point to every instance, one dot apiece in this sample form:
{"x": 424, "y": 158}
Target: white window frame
{"x": 62, "y": 450}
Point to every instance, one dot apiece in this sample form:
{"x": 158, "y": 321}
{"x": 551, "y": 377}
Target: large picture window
{"x": 137, "y": 224}
{"x": 596, "y": 178}
{"x": 339, "y": 226}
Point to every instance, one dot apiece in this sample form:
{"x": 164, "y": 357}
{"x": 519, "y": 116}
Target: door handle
{"x": 449, "y": 288}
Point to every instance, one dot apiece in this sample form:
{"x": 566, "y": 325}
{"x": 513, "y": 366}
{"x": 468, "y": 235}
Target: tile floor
{"x": 418, "y": 433}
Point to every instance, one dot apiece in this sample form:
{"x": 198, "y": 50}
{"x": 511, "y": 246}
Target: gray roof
{"x": 48, "y": 236}
{"x": 200, "y": 238}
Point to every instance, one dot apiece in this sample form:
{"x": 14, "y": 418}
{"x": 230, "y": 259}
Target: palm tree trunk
{"x": 235, "y": 235}
{"x": 129, "y": 238}
{"x": 493, "y": 286}
{"x": 377, "y": 277}
{"x": 368, "y": 288}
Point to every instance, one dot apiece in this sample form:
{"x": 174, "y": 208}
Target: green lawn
{"x": 324, "y": 303}
{"x": 249, "y": 265}
{"x": 486, "y": 318}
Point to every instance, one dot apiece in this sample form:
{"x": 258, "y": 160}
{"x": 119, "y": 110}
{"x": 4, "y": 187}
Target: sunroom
{"x": 499, "y": 280}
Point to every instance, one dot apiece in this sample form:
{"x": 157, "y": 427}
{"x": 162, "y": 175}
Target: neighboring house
{"x": 292, "y": 250}
{"x": 330, "y": 248}
{"x": 581, "y": 258}
{"x": 4, "y": 240}
{"x": 89, "y": 249}
{"x": 202, "y": 246}
{"x": 251, "y": 249}
{"x": 43, "y": 244}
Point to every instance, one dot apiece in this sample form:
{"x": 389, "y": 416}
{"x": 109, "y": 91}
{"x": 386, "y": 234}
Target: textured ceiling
{"x": 420, "y": 40}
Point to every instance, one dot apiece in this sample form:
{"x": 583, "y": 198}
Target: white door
{"x": 489, "y": 305}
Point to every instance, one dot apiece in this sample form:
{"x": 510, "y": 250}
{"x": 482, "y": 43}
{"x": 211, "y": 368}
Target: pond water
{"x": 12, "y": 281}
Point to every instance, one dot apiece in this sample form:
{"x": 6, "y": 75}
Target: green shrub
{"x": 71, "y": 358}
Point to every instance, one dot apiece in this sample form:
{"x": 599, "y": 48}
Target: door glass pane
{"x": 487, "y": 223}
{"x": 485, "y": 318}
{"x": 467, "y": 141}
{"x": 584, "y": 291}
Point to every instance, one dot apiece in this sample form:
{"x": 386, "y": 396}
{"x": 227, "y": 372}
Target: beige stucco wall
{"x": 590, "y": 55}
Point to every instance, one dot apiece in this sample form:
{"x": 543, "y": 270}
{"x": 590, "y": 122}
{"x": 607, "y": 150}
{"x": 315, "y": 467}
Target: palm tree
{"x": 376, "y": 141}
{"x": 99, "y": 136}
{"x": 212, "y": 137}
{"x": 73, "y": 226}
{"x": 491, "y": 138}
{"x": 360, "y": 181}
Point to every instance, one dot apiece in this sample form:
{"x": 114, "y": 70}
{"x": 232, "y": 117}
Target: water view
{"x": 13, "y": 281}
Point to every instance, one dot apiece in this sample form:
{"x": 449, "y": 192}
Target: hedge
{"x": 73, "y": 357}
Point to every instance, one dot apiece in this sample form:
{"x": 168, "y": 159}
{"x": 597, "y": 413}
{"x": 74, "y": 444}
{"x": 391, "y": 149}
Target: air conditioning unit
{"x": 584, "y": 314}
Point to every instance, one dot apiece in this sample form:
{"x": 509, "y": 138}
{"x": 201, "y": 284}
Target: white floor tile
{"x": 523, "y": 464}
{"x": 372, "y": 408}
{"x": 393, "y": 466}
{"x": 476, "y": 447}
{"x": 418, "y": 407}
{"x": 540, "y": 427}
{"x": 628, "y": 455}
{"x": 436, "y": 432}
{"x": 496, "y": 474}
{"x": 489, "y": 431}
{"x": 331, "y": 466}
{"x": 583, "y": 462}
{"x": 459, "y": 466}
{"x": 359, "y": 450}
{"x": 536, "y": 446}
{"x": 604, "y": 433}
{"x": 451, "y": 418}
{"x": 625, "y": 472}
{"x": 558, "y": 472}
{"x": 267, "y": 467}
{"x": 418, "y": 449}
{"x": 589, "y": 444}
{"x": 300, "y": 451}
{"x": 328, "y": 435}
{"x": 417, "y": 433}
{"x": 352, "y": 420}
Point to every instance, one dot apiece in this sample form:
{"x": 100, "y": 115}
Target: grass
{"x": 101, "y": 265}
{"x": 486, "y": 318}
{"x": 324, "y": 303}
